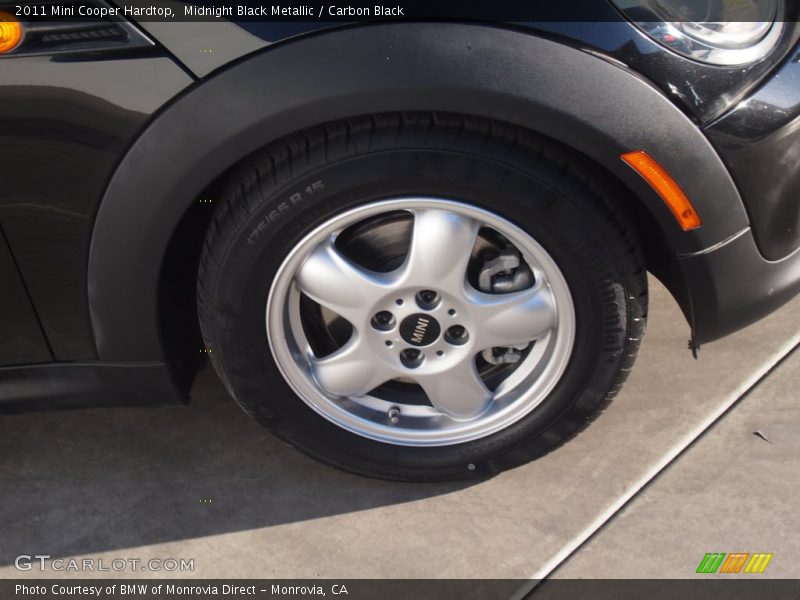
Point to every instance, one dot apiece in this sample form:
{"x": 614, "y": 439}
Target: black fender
{"x": 595, "y": 106}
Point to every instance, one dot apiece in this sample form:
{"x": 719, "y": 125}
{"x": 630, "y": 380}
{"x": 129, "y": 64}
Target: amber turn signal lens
{"x": 666, "y": 187}
{"x": 10, "y": 32}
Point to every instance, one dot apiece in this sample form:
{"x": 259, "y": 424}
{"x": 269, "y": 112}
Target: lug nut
{"x": 456, "y": 335}
{"x": 383, "y": 320}
{"x": 427, "y": 299}
{"x": 411, "y": 358}
{"x": 394, "y": 415}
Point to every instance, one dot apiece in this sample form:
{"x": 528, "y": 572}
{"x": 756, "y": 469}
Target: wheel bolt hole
{"x": 399, "y": 302}
{"x": 389, "y": 343}
{"x": 427, "y": 299}
{"x": 411, "y": 358}
{"x": 439, "y": 353}
{"x": 456, "y": 335}
{"x": 383, "y": 320}
{"x": 452, "y": 312}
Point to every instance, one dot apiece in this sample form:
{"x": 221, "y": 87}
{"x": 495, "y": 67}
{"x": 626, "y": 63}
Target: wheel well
{"x": 178, "y": 322}
{"x": 178, "y": 325}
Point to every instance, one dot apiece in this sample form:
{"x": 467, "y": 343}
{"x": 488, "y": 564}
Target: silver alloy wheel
{"x": 417, "y": 342}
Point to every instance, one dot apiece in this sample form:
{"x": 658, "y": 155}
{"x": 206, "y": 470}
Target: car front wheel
{"x": 421, "y": 296}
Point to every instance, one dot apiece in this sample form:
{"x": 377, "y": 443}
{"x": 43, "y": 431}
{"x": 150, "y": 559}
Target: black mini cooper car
{"x": 413, "y": 249}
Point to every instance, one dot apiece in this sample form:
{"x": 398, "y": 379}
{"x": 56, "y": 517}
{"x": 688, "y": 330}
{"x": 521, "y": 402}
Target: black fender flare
{"x": 597, "y": 107}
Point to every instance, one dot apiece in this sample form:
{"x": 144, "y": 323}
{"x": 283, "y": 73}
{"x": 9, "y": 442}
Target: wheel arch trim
{"x": 590, "y": 104}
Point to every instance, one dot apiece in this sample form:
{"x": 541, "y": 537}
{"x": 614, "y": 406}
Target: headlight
{"x": 720, "y": 32}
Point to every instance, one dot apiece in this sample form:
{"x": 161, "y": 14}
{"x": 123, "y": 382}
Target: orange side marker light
{"x": 10, "y": 32}
{"x": 666, "y": 187}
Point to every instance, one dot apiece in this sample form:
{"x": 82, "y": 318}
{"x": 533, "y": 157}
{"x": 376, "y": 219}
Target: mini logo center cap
{"x": 420, "y": 329}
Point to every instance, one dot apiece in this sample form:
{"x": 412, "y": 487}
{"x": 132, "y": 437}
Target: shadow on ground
{"x": 87, "y": 481}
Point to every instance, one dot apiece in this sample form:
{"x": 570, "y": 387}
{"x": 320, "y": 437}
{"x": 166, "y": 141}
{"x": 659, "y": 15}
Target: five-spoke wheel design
{"x": 420, "y": 321}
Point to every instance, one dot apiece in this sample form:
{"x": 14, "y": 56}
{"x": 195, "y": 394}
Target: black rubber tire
{"x": 553, "y": 194}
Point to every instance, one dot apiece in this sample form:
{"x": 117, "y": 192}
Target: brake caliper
{"x": 504, "y": 274}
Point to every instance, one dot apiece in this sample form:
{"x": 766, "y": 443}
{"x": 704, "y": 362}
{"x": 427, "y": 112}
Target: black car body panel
{"x": 66, "y": 123}
{"x": 23, "y": 339}
{"x": 109, "y": 153}
{"x": 704, "y": 91}
{"x": 760, "y": 142}
{"x": 733, "y": 286}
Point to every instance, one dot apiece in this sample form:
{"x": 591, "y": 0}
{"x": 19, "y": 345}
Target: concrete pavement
{"x": 202, "y": 482}
{"x": 735, "y": 490}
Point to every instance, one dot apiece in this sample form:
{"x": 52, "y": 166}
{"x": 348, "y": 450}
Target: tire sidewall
{"x": 536, "y": 198}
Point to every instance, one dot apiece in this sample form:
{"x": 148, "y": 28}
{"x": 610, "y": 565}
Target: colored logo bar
{"x": 734, "y": 562}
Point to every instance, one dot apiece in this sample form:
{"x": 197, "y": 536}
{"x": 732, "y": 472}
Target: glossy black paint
{"x": 760, "y": 142}
{"x": 64, "y": 125}
{"x": 22, "y": 338}
{"x": 702, "y": 90}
